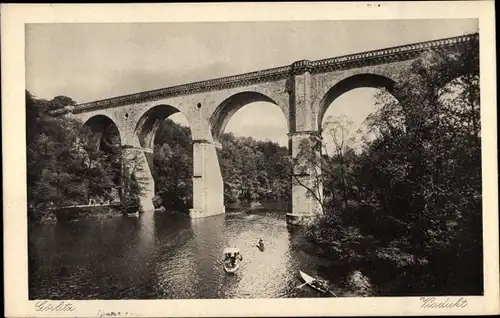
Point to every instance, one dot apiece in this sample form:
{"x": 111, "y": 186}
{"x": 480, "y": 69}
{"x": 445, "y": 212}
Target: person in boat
{"x": 231, "y": 258}
{"x": 319, "y": 282}
{"x": 261, "y": 243}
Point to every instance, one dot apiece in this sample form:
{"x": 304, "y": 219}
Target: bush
{"x": 359, "y": 284}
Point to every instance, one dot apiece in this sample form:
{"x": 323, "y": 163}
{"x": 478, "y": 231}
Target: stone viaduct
{"x": 302, "y": 90}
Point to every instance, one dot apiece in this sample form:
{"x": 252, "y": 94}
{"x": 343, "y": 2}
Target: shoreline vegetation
{"x": 405, "y": 209}
{"x": 101, "y": 212}
{"x": 96, "y": 212}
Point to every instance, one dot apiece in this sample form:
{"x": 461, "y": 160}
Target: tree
{"x": 103, "y": 164}
{"x": 430, "y": 156}
{"x": 61, "y": 101}
{"x": 338, "y": 166}
{"x": 330, "y": 170}
{"x": 173, "y": 165}
{"x": 173, "y": 172}
{"x": 253, "y": 170}
{"x": 55, "y": 166}
{"x": 307, "y": 168}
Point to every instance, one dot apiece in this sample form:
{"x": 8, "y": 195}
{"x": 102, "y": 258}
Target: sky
{"x": 95, "y": 61}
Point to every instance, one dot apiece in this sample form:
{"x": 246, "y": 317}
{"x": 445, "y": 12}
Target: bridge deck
{"x": 397, "y": 53}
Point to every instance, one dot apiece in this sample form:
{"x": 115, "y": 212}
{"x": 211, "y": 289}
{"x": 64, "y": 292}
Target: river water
{"x": 170, "y": 256}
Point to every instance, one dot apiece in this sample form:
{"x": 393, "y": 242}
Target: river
{"x": 166, "y": 255}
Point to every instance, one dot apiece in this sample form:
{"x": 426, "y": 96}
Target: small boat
{"x": 260, "y": 245}
{"x": 232, "y": 259}
{"x": 318, "y": 285}
{"x": 136, "y": 214}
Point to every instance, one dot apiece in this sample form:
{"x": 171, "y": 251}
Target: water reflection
{"x": 168, "y": 255}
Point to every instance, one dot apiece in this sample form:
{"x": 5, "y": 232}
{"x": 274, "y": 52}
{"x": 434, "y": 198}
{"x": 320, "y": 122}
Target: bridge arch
{"x": 100, "y": 142}
{"x": 352, "y": 82}
{"x": 225, "y": 110}
{"x": 102, "y": 133}
{"x": 149, "y": 122}
{"x": 144, "y": 136}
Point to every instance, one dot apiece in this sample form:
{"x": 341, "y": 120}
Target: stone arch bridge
{"x": 302, "y": 90}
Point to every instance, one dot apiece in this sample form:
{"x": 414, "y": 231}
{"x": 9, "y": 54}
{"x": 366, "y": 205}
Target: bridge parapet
{"x": 302, "y": 66}
{"x": 397, "y": 53}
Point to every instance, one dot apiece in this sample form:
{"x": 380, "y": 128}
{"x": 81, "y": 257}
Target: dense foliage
{"x": 55, "y": 166}
{"x": 173, "y": 165}
{"x": 253, "y": 170}
{"x": 407, "y": 207}
{"x": 64, "y": 168}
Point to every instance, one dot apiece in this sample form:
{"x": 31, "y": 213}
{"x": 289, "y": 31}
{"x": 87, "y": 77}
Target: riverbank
{"x": 74, "y": 214}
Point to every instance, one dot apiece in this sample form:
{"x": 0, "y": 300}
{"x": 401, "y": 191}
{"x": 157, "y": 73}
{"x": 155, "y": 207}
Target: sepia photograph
{"x": 307, "y": 159}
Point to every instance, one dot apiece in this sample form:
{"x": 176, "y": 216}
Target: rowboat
{"x": 232, "y": 259}
{"x": 318, "y": 285}
{"x": 231, "y": 269}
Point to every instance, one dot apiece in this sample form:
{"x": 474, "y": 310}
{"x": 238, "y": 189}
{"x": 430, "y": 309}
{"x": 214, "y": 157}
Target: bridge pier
{"x": 307, "y": 187}
{"x": 136, "y": 161}
{"x": 208, "y": 186}
{"x": 305, "y": 148}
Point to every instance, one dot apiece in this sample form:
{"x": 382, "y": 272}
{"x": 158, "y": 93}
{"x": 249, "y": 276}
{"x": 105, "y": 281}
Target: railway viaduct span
{"x": 302, "y": 90}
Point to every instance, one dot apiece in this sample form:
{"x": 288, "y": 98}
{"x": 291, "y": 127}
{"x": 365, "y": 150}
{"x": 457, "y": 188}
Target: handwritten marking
{"x": 430, "y": 302}
{"x": 44, "y": 305}
{"x": 100, "y": 313}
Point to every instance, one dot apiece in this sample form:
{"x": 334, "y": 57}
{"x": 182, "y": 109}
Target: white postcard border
{"x": 14, "y": 18}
